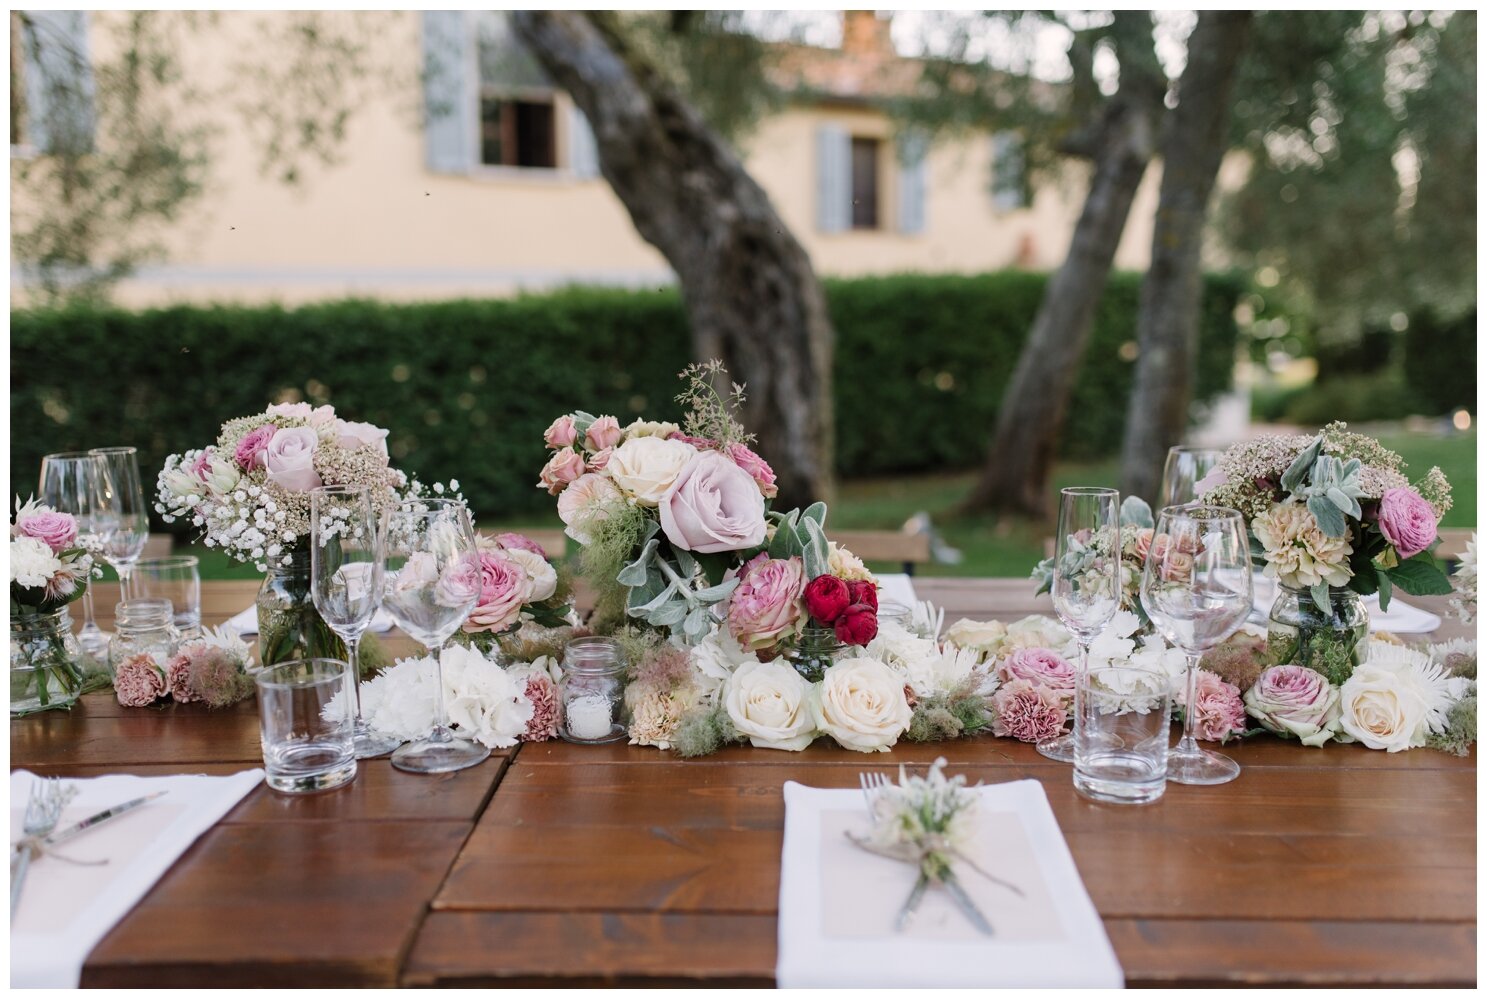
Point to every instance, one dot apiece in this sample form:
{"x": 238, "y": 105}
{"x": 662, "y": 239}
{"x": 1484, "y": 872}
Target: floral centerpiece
{"x": 211, "y": 670}
{"x": 248, "y": 494}
{"x": 1137, "y": 537}
{"x": 49, "y": 569}
{"x": 522, "y": 595}
{"x": 1332, "y": 516}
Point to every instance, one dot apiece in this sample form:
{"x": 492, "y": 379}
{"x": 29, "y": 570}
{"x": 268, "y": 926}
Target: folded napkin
{"x": 838, "y": 903}
{"x": 1401, "y": 618}
{"x": 65, "y": 908}
{"x": 246, "y": 622}
{"x": 896, "y": 588}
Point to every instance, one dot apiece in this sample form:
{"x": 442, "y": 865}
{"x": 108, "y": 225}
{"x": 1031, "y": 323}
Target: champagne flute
{"x": 433, "y": 582}
{"x": 346, "y": 585}
{"x": 73, "y": 482}
{"x": 1185, "y": 468}
{"x": 1197, "y": 590}
{"x": 125, "y": 525}
{"x": 1086, "y": 579}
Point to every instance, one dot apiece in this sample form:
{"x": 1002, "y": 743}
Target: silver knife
{"x": 967, "y": 906}
{"x": 102, "y": 817}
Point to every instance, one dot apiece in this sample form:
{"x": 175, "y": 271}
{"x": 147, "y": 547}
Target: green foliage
{"x": 1461, "y": 727}
{"x": 1364, "y": 398}
{"x": 703, "y": 732}
{"x": 1440, "y": 358}
{"x": 467, "y": 387}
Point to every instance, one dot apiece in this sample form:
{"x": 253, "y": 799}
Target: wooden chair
{"x": 886, "y": 546}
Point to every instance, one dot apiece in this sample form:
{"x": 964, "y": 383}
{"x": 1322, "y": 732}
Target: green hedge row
{"x": 467, "y": 387}
{"x": 1440, "y": 361}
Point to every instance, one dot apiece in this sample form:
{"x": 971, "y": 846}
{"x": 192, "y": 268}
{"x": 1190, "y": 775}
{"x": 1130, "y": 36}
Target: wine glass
{"x": 346, "y": 585}
{"x": 432, "y": 584}
{"x": 1086, "y": 579}
{"x": 1185, "y": 468}
{"x": 124, "y": 525}
{"x": 1197, "y": 589}
{"x": 73, "y": 482}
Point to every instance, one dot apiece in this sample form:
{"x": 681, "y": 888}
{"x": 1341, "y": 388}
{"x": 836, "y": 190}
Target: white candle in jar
{"x": 589, "y": 717}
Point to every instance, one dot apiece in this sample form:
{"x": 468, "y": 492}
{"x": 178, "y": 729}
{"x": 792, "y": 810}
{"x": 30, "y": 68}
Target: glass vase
{"x": 47, "y": 665}
{"x": 817, "y": 649}
{"x": 1332, "y": 641}
{"x": 289, "y": 626}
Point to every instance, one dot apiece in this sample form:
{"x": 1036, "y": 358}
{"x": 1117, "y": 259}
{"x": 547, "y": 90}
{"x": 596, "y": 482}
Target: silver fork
{"x": 43, "y": 808}
{"x": 872, "y": 785}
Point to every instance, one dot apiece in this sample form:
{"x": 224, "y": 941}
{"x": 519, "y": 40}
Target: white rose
{"x": 1036, "y": 631}
{"x": 650, "y": 428}
{"x": 985, "y": 637}
{"x": 647, "y": 466}
{"x": 542, "y": 578}
{"x": 1383, "y": 709}
{"x": 771, "y": 704}
{"x": 843, "y": 564}
{"x": 861, "y": 704}
{"x": 290, "y": 459}
{"x": 352, "y": 435}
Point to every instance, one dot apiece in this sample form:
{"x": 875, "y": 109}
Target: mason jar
{"x": 592, "y": 691}
{"x": 143, "y": 626}
{"x": 46, "y": 662}
{"x": 815, "y": 650}
{"x": 1332, "y": 641}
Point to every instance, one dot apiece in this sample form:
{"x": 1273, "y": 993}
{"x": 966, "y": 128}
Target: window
{"x": 517, "y": 133}
{"x": 864, "y": 183}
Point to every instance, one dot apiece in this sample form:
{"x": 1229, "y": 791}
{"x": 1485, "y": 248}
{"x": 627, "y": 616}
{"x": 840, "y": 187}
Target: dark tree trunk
{"x": 1194, "y": 139}
{"x": 1015, "y": 478}
{"x": 751, "y": 295}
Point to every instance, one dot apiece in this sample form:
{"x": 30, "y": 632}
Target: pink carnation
{"x": 768, "y": 603}
{"x": 546, "y": 709}
{"x": 510, "y": 539}
{"x": 1407, "y": 520}
{"x": 1044, "y": 667}
{"x": 1027, "y": 711}
{"x": 138, "y": 682}
{"x": 252, "y": 449}
{"x": 1219, "y": 709}
{"x": 756, "y": 466}
{"x": 57, "y": 530}
{"x": 178, "y": 677}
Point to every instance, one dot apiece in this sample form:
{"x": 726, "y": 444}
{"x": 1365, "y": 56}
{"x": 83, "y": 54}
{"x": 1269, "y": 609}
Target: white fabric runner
{"x": 66, "y": 909}
{"x": 838, "y": 903}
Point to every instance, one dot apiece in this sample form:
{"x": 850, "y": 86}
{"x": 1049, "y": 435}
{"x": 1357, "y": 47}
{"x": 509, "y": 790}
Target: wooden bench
{"x": 885, "y": 546}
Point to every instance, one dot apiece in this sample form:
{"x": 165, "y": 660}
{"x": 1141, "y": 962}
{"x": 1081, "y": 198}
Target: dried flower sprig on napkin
{"x": 927, "y": 821}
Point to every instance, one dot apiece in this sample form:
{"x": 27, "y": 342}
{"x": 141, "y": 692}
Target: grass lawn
{"x": 995, "y": 547}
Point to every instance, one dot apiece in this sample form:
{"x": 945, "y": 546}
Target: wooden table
{"x": 567, "y": 865}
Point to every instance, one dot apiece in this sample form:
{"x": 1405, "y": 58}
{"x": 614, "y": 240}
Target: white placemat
{"x": 1050, "y": 937}
{"x": 66, "y": 909}
{"x": 246, "y": 622}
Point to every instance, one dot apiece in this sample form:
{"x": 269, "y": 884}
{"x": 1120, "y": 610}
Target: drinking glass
{"x": 1121, "y": 733}
{"x": 1185, "y": 468}
{"x": 73, "y": 482}
{"x": 1086, "y": 579}
{"x": 1197, "y": 590}
{"x": 124, "y": 526}
{"x": 346, "y": 585}
{"x": 433, "y": 582}
{"x": 176, "y": 578}
{"x": 305, "y": 746}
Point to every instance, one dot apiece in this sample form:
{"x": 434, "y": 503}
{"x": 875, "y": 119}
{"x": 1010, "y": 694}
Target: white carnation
{"x": 32, "y": 563}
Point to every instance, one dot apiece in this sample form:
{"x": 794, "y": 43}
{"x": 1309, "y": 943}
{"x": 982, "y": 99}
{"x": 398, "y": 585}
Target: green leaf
{"x": 712, "y": 594}
{"x": 634, "y": 574}
{"x": 814, "y": 550}
{"x": 816, "y": 512}
{"x": 1322, "y": 595}
{"x": 1329, "y": 517}
{"x": 1386, "y": 590}
{"x": 1420, "y": 576}
{"x": 1135, "y": 512}
{"x": 1296, "y": 474}
{"x": 1365, "y": 579}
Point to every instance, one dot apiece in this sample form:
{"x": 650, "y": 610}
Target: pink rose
{"x": 713, "y": 506}
{"x": 510, "y": 539}
{"x": 1295, "y": 701}
{"x": 603, "y": 433}
{"x": 1218, "y": 711}
{"x": 1407, "y": 520}
{"x": 138, "y": 682}
{"x": 757, "y": 468}
{"x": 561, "y": 469}
{"x": 250, "y": 450}
{"x": 599, "y": 460}
{"x": 57, "y": 530}
{"x": 1027, "y": 711}
{"x": 178, "y": 678}
{"x": 562, "y": 433}
{"x": 322, "y": 416}
{"x": 290, "y": 459}
{"x": 1144, "y": 539}
{"x": 1176, "y": 566}
{"x": 1044, "y": 667}
{"x": 352, "y": 435}
{"x": 460, "y": 581}
{"x": 503, "y": 590}
{"x": 767, "y": 605}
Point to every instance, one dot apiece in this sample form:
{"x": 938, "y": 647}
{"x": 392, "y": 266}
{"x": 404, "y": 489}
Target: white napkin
{"x": 66, "y": 909}
{"x": 896, "y": 588}
{"x": 246, "y": 622}
{"x": 1401, "y": 618}
{"x": 1052, "y": 937}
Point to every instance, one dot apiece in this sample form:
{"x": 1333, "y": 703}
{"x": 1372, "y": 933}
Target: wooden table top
{"x": 573, "y": 865}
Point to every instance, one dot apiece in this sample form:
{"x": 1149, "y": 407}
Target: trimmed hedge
{"x": 467, "y": 387}
{"x": 1440, "y": 361}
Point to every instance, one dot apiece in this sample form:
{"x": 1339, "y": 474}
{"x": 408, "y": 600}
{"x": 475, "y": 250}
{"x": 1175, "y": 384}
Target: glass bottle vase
{"x": 817, "y": 649}
{"x": 1332, "y": 641}
{"x": 47, "y": 665}
{"x": 289, "y": 626}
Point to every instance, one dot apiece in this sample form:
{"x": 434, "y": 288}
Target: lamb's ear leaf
{"x": 668, "y": 614}
{"x": 685, "y": 562}
{"x": 817, "y": 512}
{"x": 634, "y": 574}
{"x": 712, "y": 594}
{"x": 695, "y": 627}
{"x": 1329, "y": 517}
{"x": 1322, "y": 595}
{"x": 815, "y": 553}
{"x": 1135, "y": 512}
{"x": 1296, "y": 474}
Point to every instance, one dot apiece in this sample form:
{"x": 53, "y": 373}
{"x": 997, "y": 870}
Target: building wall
{"x": 381, "y": 224}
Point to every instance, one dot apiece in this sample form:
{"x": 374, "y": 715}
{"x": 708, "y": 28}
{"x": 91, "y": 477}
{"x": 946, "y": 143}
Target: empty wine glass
{"x": 432, "y": 584}
{"x": 1185, "y": 468}
{"x": 1086, "y": 579}
{"x": 124, "y": 525}
{"x": 73, "y": 482}
{"x": 1197, "y": 589}
{"x": 346, "y": 585}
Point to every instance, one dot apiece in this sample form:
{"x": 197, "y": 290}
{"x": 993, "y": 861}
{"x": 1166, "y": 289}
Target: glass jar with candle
{"x": 143, "y": 627}
{"x": 592, "y": 690}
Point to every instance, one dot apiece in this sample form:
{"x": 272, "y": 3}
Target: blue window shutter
{"x": 912, "y": 187}
{"x": 58, "y": 81}
{"x": 583, "y": 152}
{"x": 1009, "y": 190}
{"x": 449, "y": 100}
{"x": 833, "y": 178}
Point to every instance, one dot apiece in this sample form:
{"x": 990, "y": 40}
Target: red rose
{"x": 826, "y": 597}
{"x": 864, "y": 591}
{"x": 858, "y": 625}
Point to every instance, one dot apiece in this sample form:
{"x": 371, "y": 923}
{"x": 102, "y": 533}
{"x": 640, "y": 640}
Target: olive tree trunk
{"x": 1194, "y": 138}
{"x": 751, "y": 295}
